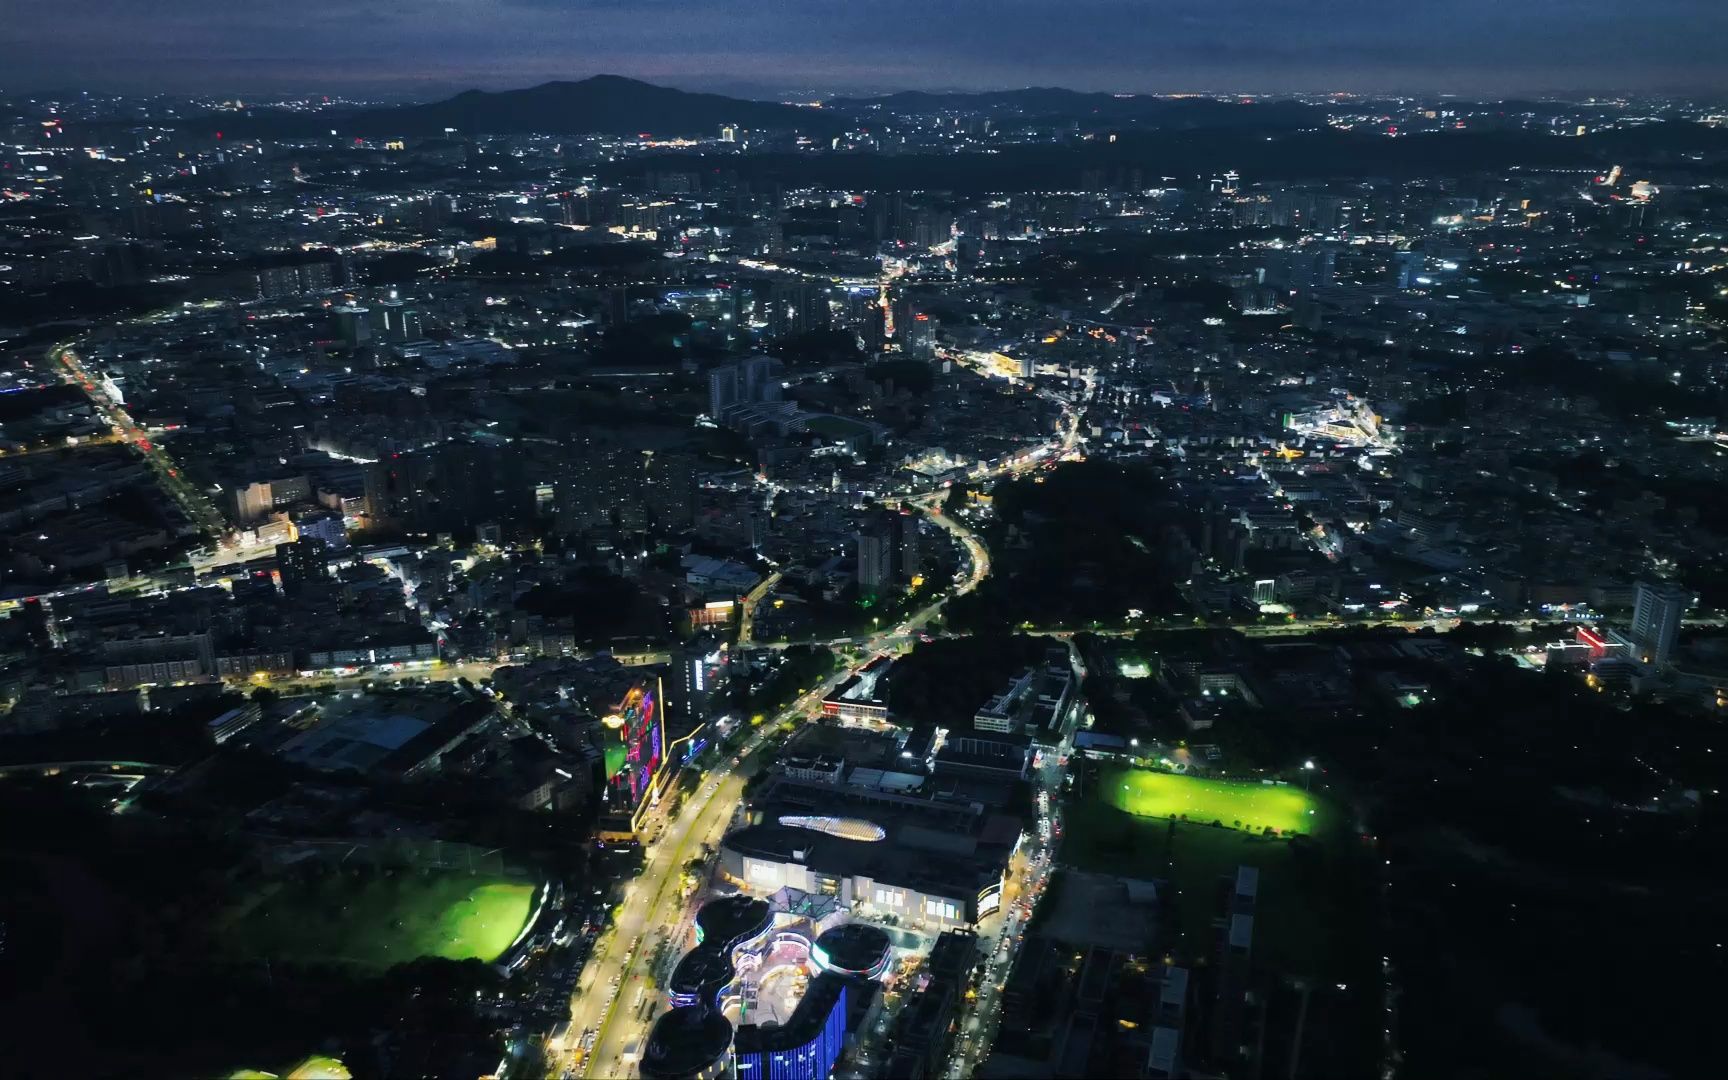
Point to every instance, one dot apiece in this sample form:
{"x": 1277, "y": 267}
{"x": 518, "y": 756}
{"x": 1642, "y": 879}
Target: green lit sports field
{"x": 377, "y": 922}
{"x": 1145, "y": 793}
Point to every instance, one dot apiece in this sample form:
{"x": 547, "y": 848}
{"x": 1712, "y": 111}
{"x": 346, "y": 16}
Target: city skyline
{"x": 402, "y": 50}
{"x": 920, "y": 541}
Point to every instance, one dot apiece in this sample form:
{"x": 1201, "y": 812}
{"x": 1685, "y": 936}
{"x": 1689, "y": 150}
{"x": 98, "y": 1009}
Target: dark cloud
{"x": 814, "y": 46}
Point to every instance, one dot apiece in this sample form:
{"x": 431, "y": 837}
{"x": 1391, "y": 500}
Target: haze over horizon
{"x": 784, "y": 48}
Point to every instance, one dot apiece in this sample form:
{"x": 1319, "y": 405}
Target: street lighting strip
{"x": 696, "y": 827}
{"x": 659, "y": 895}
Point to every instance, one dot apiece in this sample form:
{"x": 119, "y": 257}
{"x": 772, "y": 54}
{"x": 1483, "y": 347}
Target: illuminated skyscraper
{"x": 634, "y": 743}
{"x": 1656, "y": 615}
{"x": 395, "y": 319}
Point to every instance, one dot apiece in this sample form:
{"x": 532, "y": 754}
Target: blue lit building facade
{"x": 694, "y": 1037}
{"x": 809, "y": 1044}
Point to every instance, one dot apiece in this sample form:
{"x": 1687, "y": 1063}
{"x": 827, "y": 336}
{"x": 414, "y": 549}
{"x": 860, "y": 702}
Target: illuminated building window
{"x": 845, "y": 828}
{"x": 941, "y": 909}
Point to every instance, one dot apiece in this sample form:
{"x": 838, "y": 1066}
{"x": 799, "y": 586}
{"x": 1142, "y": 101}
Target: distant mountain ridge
{"x": 615, "y": 105}
{"x": 603, "y": 104}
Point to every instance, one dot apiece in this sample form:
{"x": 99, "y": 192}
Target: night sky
{"x": 778, "y": 48}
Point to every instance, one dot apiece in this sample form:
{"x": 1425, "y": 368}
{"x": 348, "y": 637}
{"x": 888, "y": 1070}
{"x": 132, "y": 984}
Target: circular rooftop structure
{"x": 700, "y": 974}
{"x": 721, "y": 927}
{"x": 733, "y": 919}
{"x": 856, "y": 949}
{"x": 687, "y": 1042}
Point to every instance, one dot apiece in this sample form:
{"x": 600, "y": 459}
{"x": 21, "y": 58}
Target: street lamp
{"x": 1307, "y": 774}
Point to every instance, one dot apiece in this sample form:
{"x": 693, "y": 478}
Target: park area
{"x": 1158, "y": 826}
{"x": 379, "y": 919}
{"x": 1252, "y": 806}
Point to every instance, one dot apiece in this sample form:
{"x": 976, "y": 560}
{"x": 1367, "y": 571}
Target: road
{"x": 618, "y": 970}
{"x": 747, "y": 617}
{"x": 978, "y": 556}
{"x": 472, "y": 670}
{"x": 1002, "y": 933}
{"x": 605, "y": 997}
{"x": 62, "y": 446}
{"x": 198, "y": 509}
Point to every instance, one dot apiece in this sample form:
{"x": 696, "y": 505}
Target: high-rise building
{"x": 924, "y": 228}
{"x": 1300, "y": 269}
{"x": 875, "y": 560}
{"x": 1656, "y": 614}
{"x": 592, "y": 484}
{"x": 572, "y": 210}
{"x": 256, "y": 500}
{"x": 724, "y": 389}
{"x": 862, "y": 311}
{"x": 888, "y": 553}
{"x": 632, "y": 489}
{"x": 633, "y": 758}
{"x": 797, "y": 307}
{"x": 669, "y": 490}
{"x": 1407, "y": 266}
{"x": 743, "y": 382}
{"x": 918, "y": 336}
{"x": 353, "y": 325}
{"x": 909, "y": 558}
{"x": 325, "y": 525}
{"x": 395, "y": 319}
{"x": 295, "y": 279}
{"x": 302, "y": 562}
{"x": 450, "y": 488}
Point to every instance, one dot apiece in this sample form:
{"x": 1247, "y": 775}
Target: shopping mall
{"x": 768, "y": 993}
{"x": 890, "y": 865}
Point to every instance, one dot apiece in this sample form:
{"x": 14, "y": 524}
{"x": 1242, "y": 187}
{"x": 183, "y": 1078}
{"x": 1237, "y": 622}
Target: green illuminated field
{"x": 376, "y": 922}
{"x": 1250, "y": 806}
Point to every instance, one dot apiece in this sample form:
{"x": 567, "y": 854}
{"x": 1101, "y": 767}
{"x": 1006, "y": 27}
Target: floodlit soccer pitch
{"x": 1255, "y": 806}
{"x": 380, "y": 923}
